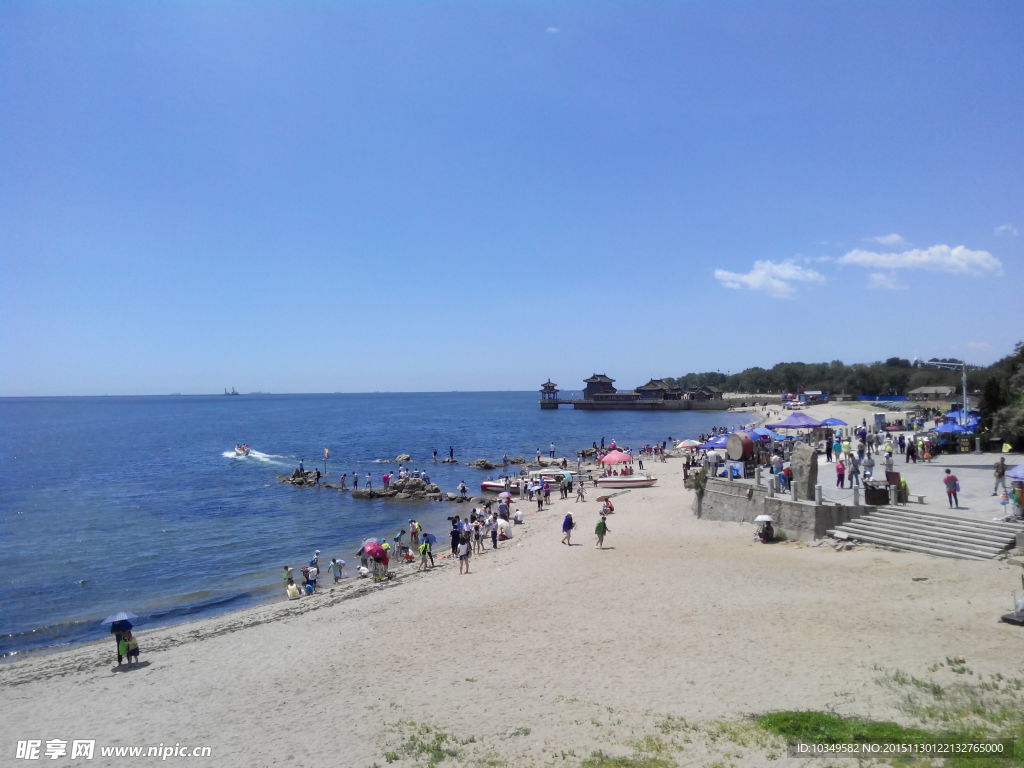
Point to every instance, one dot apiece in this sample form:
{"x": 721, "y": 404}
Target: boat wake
{"x": 264, "y": 458}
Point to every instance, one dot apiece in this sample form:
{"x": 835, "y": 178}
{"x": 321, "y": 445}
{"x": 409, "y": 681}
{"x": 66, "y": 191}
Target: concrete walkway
{"x": 973, "y": 470}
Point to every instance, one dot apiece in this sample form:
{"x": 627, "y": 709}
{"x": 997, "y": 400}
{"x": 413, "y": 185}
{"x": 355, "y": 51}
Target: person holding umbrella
{"x": 119, "y": 625}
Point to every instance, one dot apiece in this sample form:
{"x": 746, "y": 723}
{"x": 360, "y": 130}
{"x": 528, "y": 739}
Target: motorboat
{"x": 515, "y": 485}
{"x": 242, "y": 449}
{"x": 626, "y": 481}
{"x": 501, "y": 485}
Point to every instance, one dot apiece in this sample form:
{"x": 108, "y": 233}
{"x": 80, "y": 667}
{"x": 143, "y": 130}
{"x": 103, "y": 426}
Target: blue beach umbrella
{"x": 833, "y": 422}
{"x": 121, "y": 616}
{"x": 719, "y": 441}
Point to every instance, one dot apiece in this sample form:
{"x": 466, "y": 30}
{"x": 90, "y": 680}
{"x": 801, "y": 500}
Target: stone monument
{"x": 804, "y": 464}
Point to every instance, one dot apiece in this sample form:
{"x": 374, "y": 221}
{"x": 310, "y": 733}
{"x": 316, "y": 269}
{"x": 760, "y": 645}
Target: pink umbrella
{"x": 374, "y": 550}
{"x": 616, "y": 457}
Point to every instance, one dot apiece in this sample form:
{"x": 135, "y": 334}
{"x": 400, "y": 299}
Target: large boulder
{"x": 804, "y": 465}
{"x": 449, "y": 461}
{"x": 403, "y": 457}
{"x": 517, "y": 460}
{"x": 482, "y": 464}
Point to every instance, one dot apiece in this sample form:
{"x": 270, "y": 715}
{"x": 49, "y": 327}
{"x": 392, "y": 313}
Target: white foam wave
{"x": 265, "y": 458}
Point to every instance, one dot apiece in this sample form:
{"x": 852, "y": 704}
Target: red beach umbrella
{"x": 374, "y": 550}
{"x": 616, "y": 457}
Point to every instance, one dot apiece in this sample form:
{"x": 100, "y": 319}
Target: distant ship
{"x": 232, "y": 392}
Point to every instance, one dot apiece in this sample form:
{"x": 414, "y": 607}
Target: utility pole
{"x": 963, "y": 373}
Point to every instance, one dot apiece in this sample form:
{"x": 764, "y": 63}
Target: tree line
{"x": 1001, "y": 385}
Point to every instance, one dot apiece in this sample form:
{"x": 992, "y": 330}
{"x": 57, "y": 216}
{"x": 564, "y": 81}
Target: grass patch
{"x": 827, "y": 728}
{"x": 427, "y": 744}
{"x": 600, "y": 759}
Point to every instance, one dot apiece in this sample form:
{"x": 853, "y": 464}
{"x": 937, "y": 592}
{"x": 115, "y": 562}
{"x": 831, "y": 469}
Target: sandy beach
{"x": 662, "y": 643}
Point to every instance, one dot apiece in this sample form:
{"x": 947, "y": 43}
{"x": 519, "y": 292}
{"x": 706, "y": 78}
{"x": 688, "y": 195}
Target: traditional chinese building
{"x": 598, "y": 384}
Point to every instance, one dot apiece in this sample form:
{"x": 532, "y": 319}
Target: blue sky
{"x": 360, "y": 196}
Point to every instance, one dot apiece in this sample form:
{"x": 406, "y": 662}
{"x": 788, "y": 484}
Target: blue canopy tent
{"x": 796, "y": 421}
{"x": 719, "y": 441}
{"x": 765, "y": 432}
{"x": 959, "y": 414}
{"x": 948, "y": 427}
{"x": 833, "y": 422}
{"x": 1016, "y": 473}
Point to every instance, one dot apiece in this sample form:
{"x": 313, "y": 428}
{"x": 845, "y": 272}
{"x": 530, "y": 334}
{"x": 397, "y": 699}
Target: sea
{"x": 140, "y": 503}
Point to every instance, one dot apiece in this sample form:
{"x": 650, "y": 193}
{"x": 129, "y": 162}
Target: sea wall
{"x": 741, "y": 501}
{"x": 662, "y": 405}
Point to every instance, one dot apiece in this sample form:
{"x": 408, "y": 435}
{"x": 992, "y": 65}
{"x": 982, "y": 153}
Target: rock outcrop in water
{"x": 482, "y": 464}
{"x": 403, "y": 457}
{"x": 410, "y": 488}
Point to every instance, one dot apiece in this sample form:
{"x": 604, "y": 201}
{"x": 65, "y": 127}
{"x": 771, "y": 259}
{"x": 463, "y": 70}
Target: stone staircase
{"x": 931, "y": 533}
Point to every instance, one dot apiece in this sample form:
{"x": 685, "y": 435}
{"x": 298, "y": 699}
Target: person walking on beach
{"x": 854, "y": 471}
{"x": 840, "y": 473}
{"x": 952, "y": 488}
{"x": 414, "y": 533}
{"x": 567, "y": 525}
{"x": 464, "y": 553}
{"x": 828, "y": 451}
{"x": 600, "y": 530}
{"x": 337, "y": 568}
{"x": 999, "y": 468}
{"x": 580, "y": 496}
{"x": 425, "y": 553}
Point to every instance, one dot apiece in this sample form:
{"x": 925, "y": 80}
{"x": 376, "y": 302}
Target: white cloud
{"x": 1007, "y": 229}
{"x": 890, "y": 239}
{"x": 883, "y": 282}
{"x": 552, "y": 30}
{"x": 939, "y": 258}
{"x": 775, "y": 279}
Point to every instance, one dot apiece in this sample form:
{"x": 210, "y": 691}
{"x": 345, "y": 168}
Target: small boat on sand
{"x": 626, "y": 481}
{"x": 515, "y": 485}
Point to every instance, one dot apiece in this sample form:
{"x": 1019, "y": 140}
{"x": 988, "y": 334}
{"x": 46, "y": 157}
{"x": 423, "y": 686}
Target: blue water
{"x": 138, "y": 503}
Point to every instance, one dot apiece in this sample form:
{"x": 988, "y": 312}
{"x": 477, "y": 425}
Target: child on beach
{"x": 129, "y": 647}
{"x": 337, "y": 567}
{"x": 601, "y": 529}
{"x": 292, "y": 590}
{"x": 426, "y": 552}
{"x": 464, "y": 553}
